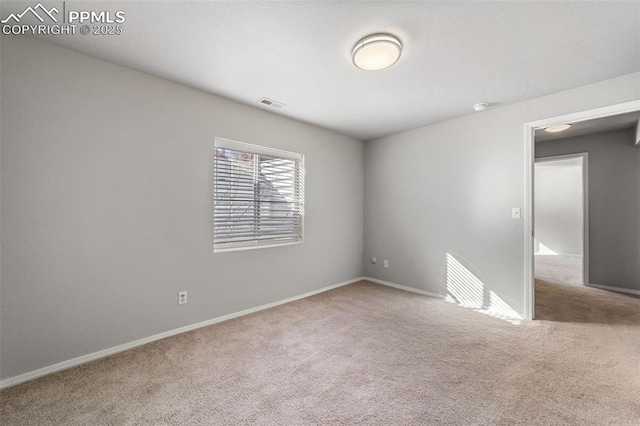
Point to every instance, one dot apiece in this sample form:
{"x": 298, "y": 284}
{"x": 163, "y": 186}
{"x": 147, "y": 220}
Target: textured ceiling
{"x": 455, "y": 54}
{"x": 598, "y": 125}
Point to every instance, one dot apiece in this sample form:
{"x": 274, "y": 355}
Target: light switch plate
{"x": 515, "y": 213}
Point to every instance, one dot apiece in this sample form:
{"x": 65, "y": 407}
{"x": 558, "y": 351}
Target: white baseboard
{"x": 405, "y": 288}
{"x": 487, "y": 310}
{"x": 126, "y": 346}
{"x": 618, "y": 289}
{"x": 559, "y": 254}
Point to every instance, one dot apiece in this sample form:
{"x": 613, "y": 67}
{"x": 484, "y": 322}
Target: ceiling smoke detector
{"x": 271, "y": 103}
{"x": 480, "y": 107}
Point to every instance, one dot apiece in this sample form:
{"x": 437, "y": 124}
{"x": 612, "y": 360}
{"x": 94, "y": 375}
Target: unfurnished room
{"x": 319, "y": 212}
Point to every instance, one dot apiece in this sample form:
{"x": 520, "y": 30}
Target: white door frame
{"x": 529, "y": 157}
{"x": 585, "y": 205}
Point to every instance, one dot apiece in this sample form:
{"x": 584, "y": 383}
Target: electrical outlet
{"x": 386, "y": 263}
{"x": 182, "y": 297}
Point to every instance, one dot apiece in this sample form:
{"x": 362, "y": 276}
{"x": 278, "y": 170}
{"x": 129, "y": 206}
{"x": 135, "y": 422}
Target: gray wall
{"x": 614, "y": 204}
{"x": 559, "y": 206}
{"x": 106, "y": 207}
{"x": 106, "y": 212}
{"x": 438, "y": 199}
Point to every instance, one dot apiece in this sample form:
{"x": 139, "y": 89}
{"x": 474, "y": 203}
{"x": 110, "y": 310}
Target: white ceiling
{"x": 455, "y": 54}
{"x": 599, "y": 125}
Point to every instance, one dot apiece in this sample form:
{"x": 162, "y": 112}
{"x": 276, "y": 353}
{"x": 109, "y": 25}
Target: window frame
{"x": 244, "y": 147}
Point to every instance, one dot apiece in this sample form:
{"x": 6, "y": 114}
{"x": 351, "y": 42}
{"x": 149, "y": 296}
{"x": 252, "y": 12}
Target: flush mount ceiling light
{"x": 557, "y": 128}
{"x": 480, "y": 107}
{"x": 376, "y": 52}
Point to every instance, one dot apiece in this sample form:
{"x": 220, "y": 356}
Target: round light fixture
{"x": 480, "y": 107}
{"x": 376, "y": 52}
{"x": 557, "y": 128}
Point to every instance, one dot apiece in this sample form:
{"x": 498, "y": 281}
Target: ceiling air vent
{"x": 271, "y": 103}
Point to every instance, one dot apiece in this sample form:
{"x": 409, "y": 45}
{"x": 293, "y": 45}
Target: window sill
{"x": 257, "y": 246}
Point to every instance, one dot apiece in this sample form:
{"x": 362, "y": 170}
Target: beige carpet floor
{"x": 560, "y": 269}
{"x": 360, "y": 354}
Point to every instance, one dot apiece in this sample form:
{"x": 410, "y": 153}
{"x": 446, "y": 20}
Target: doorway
{"x": 530, "y": 129}
{"x": 561, "y": 211}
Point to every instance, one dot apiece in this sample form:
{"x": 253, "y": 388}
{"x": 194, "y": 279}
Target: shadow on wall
{"x": 465, "y": 289}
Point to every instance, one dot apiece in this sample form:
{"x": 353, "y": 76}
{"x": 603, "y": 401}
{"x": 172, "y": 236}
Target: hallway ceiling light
{"x": 376, "y": 52}
{"x": 557, "y": 128}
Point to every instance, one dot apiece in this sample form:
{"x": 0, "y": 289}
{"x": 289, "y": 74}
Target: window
{"x": 258, "y": 196}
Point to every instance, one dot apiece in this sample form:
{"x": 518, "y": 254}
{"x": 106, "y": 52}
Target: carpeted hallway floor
{"x": 561, "y": 295}
{"x": 560, "y": 269}
{"x": 363, "y": 353}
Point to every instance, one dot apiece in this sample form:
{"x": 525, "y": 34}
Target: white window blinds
{"x": 258, "y": 196}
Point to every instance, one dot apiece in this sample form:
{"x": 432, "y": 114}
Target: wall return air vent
{"x": 271, "y": 103}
